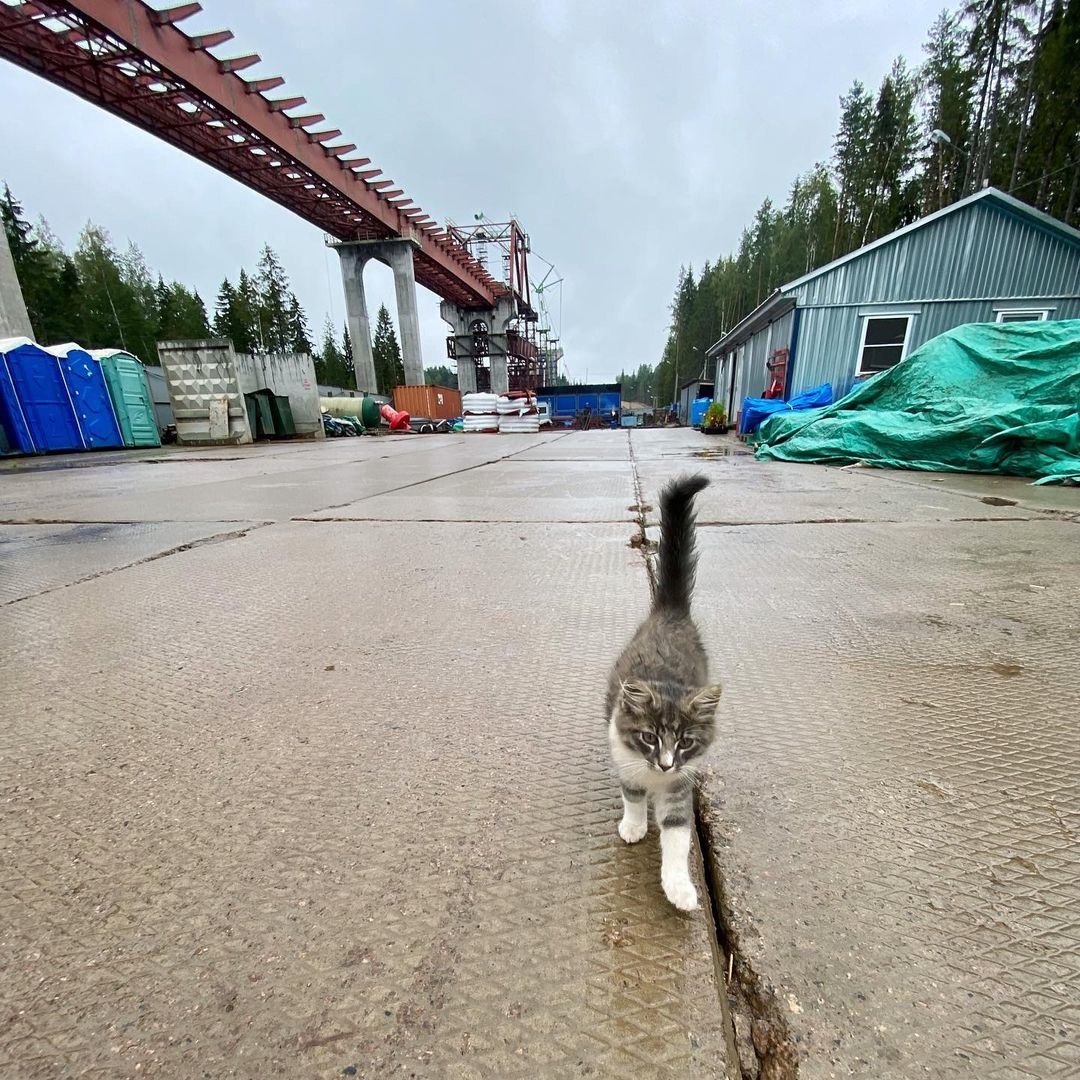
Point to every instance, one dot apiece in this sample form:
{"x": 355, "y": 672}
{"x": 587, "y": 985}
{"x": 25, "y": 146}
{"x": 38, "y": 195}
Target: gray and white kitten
{"x": 660, "y": 703}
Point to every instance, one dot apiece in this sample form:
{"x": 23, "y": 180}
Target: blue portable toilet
{"x": 17, "y": 435}
{"x": 89, "y": 395}
{"x": 42, "y": 396}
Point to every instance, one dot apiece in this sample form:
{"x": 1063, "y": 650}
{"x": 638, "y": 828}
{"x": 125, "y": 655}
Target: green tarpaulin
{"x": 983, "y": 398}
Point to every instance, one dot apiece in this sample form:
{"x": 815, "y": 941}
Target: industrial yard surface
{"x": 304, "y": 770}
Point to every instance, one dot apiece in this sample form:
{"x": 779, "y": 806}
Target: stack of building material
{"x": 480, "y": 412}
{"x": 518, "y": 413}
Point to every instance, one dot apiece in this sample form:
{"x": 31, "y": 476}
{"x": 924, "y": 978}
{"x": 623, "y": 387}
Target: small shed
{"x": 692, "y": 390}
{"x": 986, "y": 258}
{"x": 159, "y": 394}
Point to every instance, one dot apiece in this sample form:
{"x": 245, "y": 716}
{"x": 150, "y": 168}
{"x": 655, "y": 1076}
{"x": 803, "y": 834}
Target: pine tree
{"x": 389, "y": 369}
{"x": 347, "y": 356}
{"x": 947, "y": 87}
{"x": 1048, "y": 172}
{"x": 329, "y": 363}
{"x": 851, "y": 161}
{"x": 440, "y": 375}
{"x": 272, "y": 306}
{"x": 299, "y": 338}
{"x": 223, "y": 310}
{"x": 248, "y": 333}
{"x": 893, "y": 138}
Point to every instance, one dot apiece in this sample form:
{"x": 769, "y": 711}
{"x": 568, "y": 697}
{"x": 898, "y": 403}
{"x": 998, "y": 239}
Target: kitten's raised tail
{"x": 678, "y": 560}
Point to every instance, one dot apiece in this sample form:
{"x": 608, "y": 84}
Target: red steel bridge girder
{"x": 123, "y": 56}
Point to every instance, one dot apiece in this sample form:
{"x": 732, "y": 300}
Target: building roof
{"x": 696, "y": 379}
{"x": 778, "y": 304}
{"x": 773, "y": 307}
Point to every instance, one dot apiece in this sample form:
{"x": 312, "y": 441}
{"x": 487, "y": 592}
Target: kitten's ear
{"x": 637, "y": 696}
{"x": 702, "y": 703}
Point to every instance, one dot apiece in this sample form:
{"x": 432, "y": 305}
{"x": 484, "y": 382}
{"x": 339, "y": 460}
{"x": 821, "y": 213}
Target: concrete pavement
{"x": 304, "y": 772}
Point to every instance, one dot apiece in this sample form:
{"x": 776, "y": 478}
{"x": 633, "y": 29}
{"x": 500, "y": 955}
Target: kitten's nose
{"x": 668, "y": 767}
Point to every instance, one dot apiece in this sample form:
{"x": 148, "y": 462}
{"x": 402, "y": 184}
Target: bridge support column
{"x": 479, "y": 333}
{"x": 499, "y": 317}
{"x": 353, "y": 262}
{"x": 461, "y": 332}
{"x": 398, "y": 255}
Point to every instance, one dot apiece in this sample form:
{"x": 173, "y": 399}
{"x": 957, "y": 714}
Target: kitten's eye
{"x": 687, "y": 742}
{"x": 647, "y": 737}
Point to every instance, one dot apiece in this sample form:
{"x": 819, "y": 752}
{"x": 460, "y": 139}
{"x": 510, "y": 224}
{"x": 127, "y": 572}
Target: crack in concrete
{"x": 764, "y": 1045}
{"x": 852, "y": 521}
{"x": 463, "y": 521}
{"x": 252, "y": 523}
{"x": 216, "y": 538}
{"x": 719, "y": 936}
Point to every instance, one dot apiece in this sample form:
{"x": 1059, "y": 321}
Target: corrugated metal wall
{"x": 829, "y": 337}
{"x": 980, "y": 252}
{"x": 749, "y": 362}
{"x": 958, "y": 269}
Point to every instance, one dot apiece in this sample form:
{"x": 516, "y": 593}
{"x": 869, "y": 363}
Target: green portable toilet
{"x": 130, "y": 393}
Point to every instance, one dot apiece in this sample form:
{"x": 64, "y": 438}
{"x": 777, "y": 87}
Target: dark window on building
{"x": 884, "y": 342}
{"x": 1027, "y": 315}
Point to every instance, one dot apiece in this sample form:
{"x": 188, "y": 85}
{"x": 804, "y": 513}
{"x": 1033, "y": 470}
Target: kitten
{"x": 660, "y": 704}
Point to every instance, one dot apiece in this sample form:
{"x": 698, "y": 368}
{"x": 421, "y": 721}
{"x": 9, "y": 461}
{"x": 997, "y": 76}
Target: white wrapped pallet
{"x": 479, "y": 404}
{"x": 528, "y": 424}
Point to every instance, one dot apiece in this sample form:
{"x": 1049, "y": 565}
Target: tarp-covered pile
{"x": 984, "y": 398}
{"x": 755, "y": 411}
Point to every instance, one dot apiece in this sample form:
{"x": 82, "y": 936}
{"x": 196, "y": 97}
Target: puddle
{"x": 722, "y": 452}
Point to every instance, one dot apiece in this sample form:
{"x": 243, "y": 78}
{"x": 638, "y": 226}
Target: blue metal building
{"x": 986, "y": 258}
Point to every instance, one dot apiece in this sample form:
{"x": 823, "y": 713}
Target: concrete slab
{"x": 39, "y": 558}
{"x": 599, "y": 445}
{"x": 998, "y": 490}
{"x": 745, "y": 490}
{"x": 333, "y": 799}
{"x": 330, "y": 797}
{"x": 248, "y": 484}
{"x": 893, "y": 817}
{"x": 518, "y": 489}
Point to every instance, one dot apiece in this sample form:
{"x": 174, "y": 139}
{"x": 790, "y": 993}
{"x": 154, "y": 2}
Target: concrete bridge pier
{"x": 356, "y": 314}
{"x": 398, "y": 255}
{"x": 480, "y": 333}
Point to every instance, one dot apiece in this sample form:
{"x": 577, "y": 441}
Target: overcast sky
{"x": 627, "y": 137}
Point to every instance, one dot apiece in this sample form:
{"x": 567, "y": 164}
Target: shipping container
{"x": 569, "y": 402}
{"x": 42, "y": 399}
{"x": 436, "y": 402}
{"x": 89, "y": 395}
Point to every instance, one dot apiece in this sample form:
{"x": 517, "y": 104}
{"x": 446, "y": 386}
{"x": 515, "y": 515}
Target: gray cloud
{"x": 629, "y": 138}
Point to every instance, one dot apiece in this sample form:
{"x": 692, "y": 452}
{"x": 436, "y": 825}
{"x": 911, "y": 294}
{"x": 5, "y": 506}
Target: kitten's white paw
{"x": 632, "y": 831}
{"x": 681, "y": 892}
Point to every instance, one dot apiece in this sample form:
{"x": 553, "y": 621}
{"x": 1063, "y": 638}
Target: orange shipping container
{"x": 437, "y": 402}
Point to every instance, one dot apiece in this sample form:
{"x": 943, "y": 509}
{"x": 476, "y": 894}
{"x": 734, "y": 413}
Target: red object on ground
{"x": 398, "y": 421}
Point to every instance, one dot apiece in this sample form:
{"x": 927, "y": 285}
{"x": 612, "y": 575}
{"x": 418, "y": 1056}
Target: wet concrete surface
{"x": 327, "y": 798}
{"x": 894, "y": 814}
{"x": 304, "y": 774}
